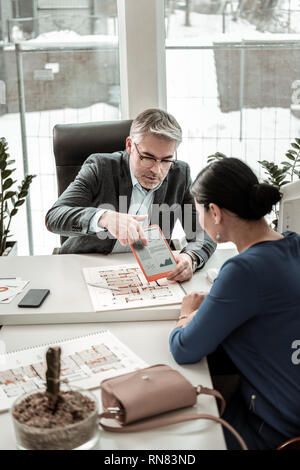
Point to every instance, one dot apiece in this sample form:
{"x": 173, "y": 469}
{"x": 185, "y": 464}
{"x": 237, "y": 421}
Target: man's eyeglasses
{"x": 148, "y": 162}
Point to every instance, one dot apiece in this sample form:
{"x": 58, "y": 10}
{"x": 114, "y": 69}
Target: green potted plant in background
{"x": 288, "y": 172}
{"x": 276, "y": 175}
{"x": 10, "y": 200}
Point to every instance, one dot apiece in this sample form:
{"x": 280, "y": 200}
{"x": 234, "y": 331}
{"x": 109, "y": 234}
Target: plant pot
{"x": 43, "y": 433}
{"x": 11, "y": 249}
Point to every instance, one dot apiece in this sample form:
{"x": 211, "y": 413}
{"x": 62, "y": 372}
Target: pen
{"x": 102, "y": 286}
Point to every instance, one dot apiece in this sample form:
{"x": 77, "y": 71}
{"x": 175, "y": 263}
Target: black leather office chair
{"x": 73, "y": 143}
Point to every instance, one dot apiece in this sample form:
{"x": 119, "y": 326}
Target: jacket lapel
{"x": 160, "y": 194}
{"x": 125, "y": 185}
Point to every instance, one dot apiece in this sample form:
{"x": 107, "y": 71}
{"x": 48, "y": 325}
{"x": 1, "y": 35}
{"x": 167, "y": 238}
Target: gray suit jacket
{"x": 105, "y": 181}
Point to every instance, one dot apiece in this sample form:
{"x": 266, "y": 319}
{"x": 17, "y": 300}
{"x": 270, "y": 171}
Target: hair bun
{"x": 263, "y": 196}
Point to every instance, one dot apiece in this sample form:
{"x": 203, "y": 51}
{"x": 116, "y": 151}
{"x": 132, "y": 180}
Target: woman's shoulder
{"x": 265, "y": 258}
{"x": 239, "y": 270}
{"x": 241, "y": 259}
{"x": 237, "y": 279}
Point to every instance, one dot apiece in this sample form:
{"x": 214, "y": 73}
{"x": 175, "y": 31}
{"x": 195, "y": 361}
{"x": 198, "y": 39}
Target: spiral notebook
{"x": 85, "y": 362}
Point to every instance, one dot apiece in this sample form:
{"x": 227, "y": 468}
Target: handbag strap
{"x": 211, "y": 391}
{"x": 158, "y": 421}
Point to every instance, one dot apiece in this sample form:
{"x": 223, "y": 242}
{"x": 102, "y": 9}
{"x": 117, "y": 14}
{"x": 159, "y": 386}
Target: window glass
{"x": 237, "y": 90}
{"x": 69, "y": 69}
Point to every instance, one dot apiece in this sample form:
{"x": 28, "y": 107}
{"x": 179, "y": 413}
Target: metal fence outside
{"x": 239, "y": 98}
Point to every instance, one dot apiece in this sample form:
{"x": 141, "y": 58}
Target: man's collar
{"x": 133, "y": 178}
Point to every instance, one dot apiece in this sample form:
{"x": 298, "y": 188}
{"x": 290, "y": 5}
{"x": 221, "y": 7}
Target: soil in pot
{"x": 69, "y": 425}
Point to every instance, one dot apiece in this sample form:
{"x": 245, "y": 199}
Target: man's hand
{"x": 183, "y": 270}
{"x": 124, "y": 227}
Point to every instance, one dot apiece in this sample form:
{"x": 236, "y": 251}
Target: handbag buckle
{"x": 114, "y": 410}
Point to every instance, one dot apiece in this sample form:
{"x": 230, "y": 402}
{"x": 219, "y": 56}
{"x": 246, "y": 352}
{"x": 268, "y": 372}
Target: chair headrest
{"x": 73, "y": 143}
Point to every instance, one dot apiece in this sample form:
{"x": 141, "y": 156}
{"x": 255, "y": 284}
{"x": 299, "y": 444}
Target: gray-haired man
{"x": 114, "y": 195}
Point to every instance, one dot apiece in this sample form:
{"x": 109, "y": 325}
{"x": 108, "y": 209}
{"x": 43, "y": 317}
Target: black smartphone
{"x": 34, "y": 298}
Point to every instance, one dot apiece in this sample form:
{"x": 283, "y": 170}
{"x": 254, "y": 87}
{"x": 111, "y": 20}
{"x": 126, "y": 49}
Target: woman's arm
{"x": 232, "y": 301}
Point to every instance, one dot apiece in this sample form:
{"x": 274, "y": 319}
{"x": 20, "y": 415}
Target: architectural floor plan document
{"x": 125, "y": 286}
{"x": 85, "y": 362}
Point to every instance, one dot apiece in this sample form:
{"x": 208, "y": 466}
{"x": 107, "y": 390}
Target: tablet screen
{"x": 156, "y": 259}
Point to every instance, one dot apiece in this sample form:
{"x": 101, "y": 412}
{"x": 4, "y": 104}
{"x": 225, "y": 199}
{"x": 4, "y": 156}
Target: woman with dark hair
{"x": 253, "y": 308}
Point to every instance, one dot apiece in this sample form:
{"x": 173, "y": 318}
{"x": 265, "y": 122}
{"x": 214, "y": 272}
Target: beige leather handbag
{"x": 140, "y": 400}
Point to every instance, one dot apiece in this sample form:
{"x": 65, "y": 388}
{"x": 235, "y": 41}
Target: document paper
{"x": 134, "y": 290}
{"x": 85, "y": 362}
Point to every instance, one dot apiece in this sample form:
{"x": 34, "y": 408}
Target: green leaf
{"x": 296, "y": 146}
{"x": 7, "y": 173}
{"x": 215, "y": 157}
{"x": 297, "y": 140}
{"x": 291, "y": 157}
{"x": 7, "y": 184}
{"x": 293, "y": 152}
{"x": 19, "y": 203}
{"x": 279, "y": 180}
{"x": 14, "y": 212}
{"x": 9, "y": 195}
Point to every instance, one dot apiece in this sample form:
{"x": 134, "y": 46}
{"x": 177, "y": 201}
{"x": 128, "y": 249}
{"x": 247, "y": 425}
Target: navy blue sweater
{"x": 253, "y": 310}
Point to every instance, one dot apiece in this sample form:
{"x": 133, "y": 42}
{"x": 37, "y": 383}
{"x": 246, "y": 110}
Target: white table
{"x": 148, "y": 339}
{"x": 69, "y": 300}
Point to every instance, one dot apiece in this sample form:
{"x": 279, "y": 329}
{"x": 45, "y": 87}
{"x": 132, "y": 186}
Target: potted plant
{"x": 55, "y": 419}
{"x": 10, "y": 200}
{"x": 288, "y": 172}
{"x": 276, "y": 175}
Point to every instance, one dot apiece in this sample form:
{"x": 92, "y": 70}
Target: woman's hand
{"x": 189, "y": 308}
{"x": 192, "y": 302}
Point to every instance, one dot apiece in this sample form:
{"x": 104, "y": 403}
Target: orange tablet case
{"x": 155, "y": 276}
